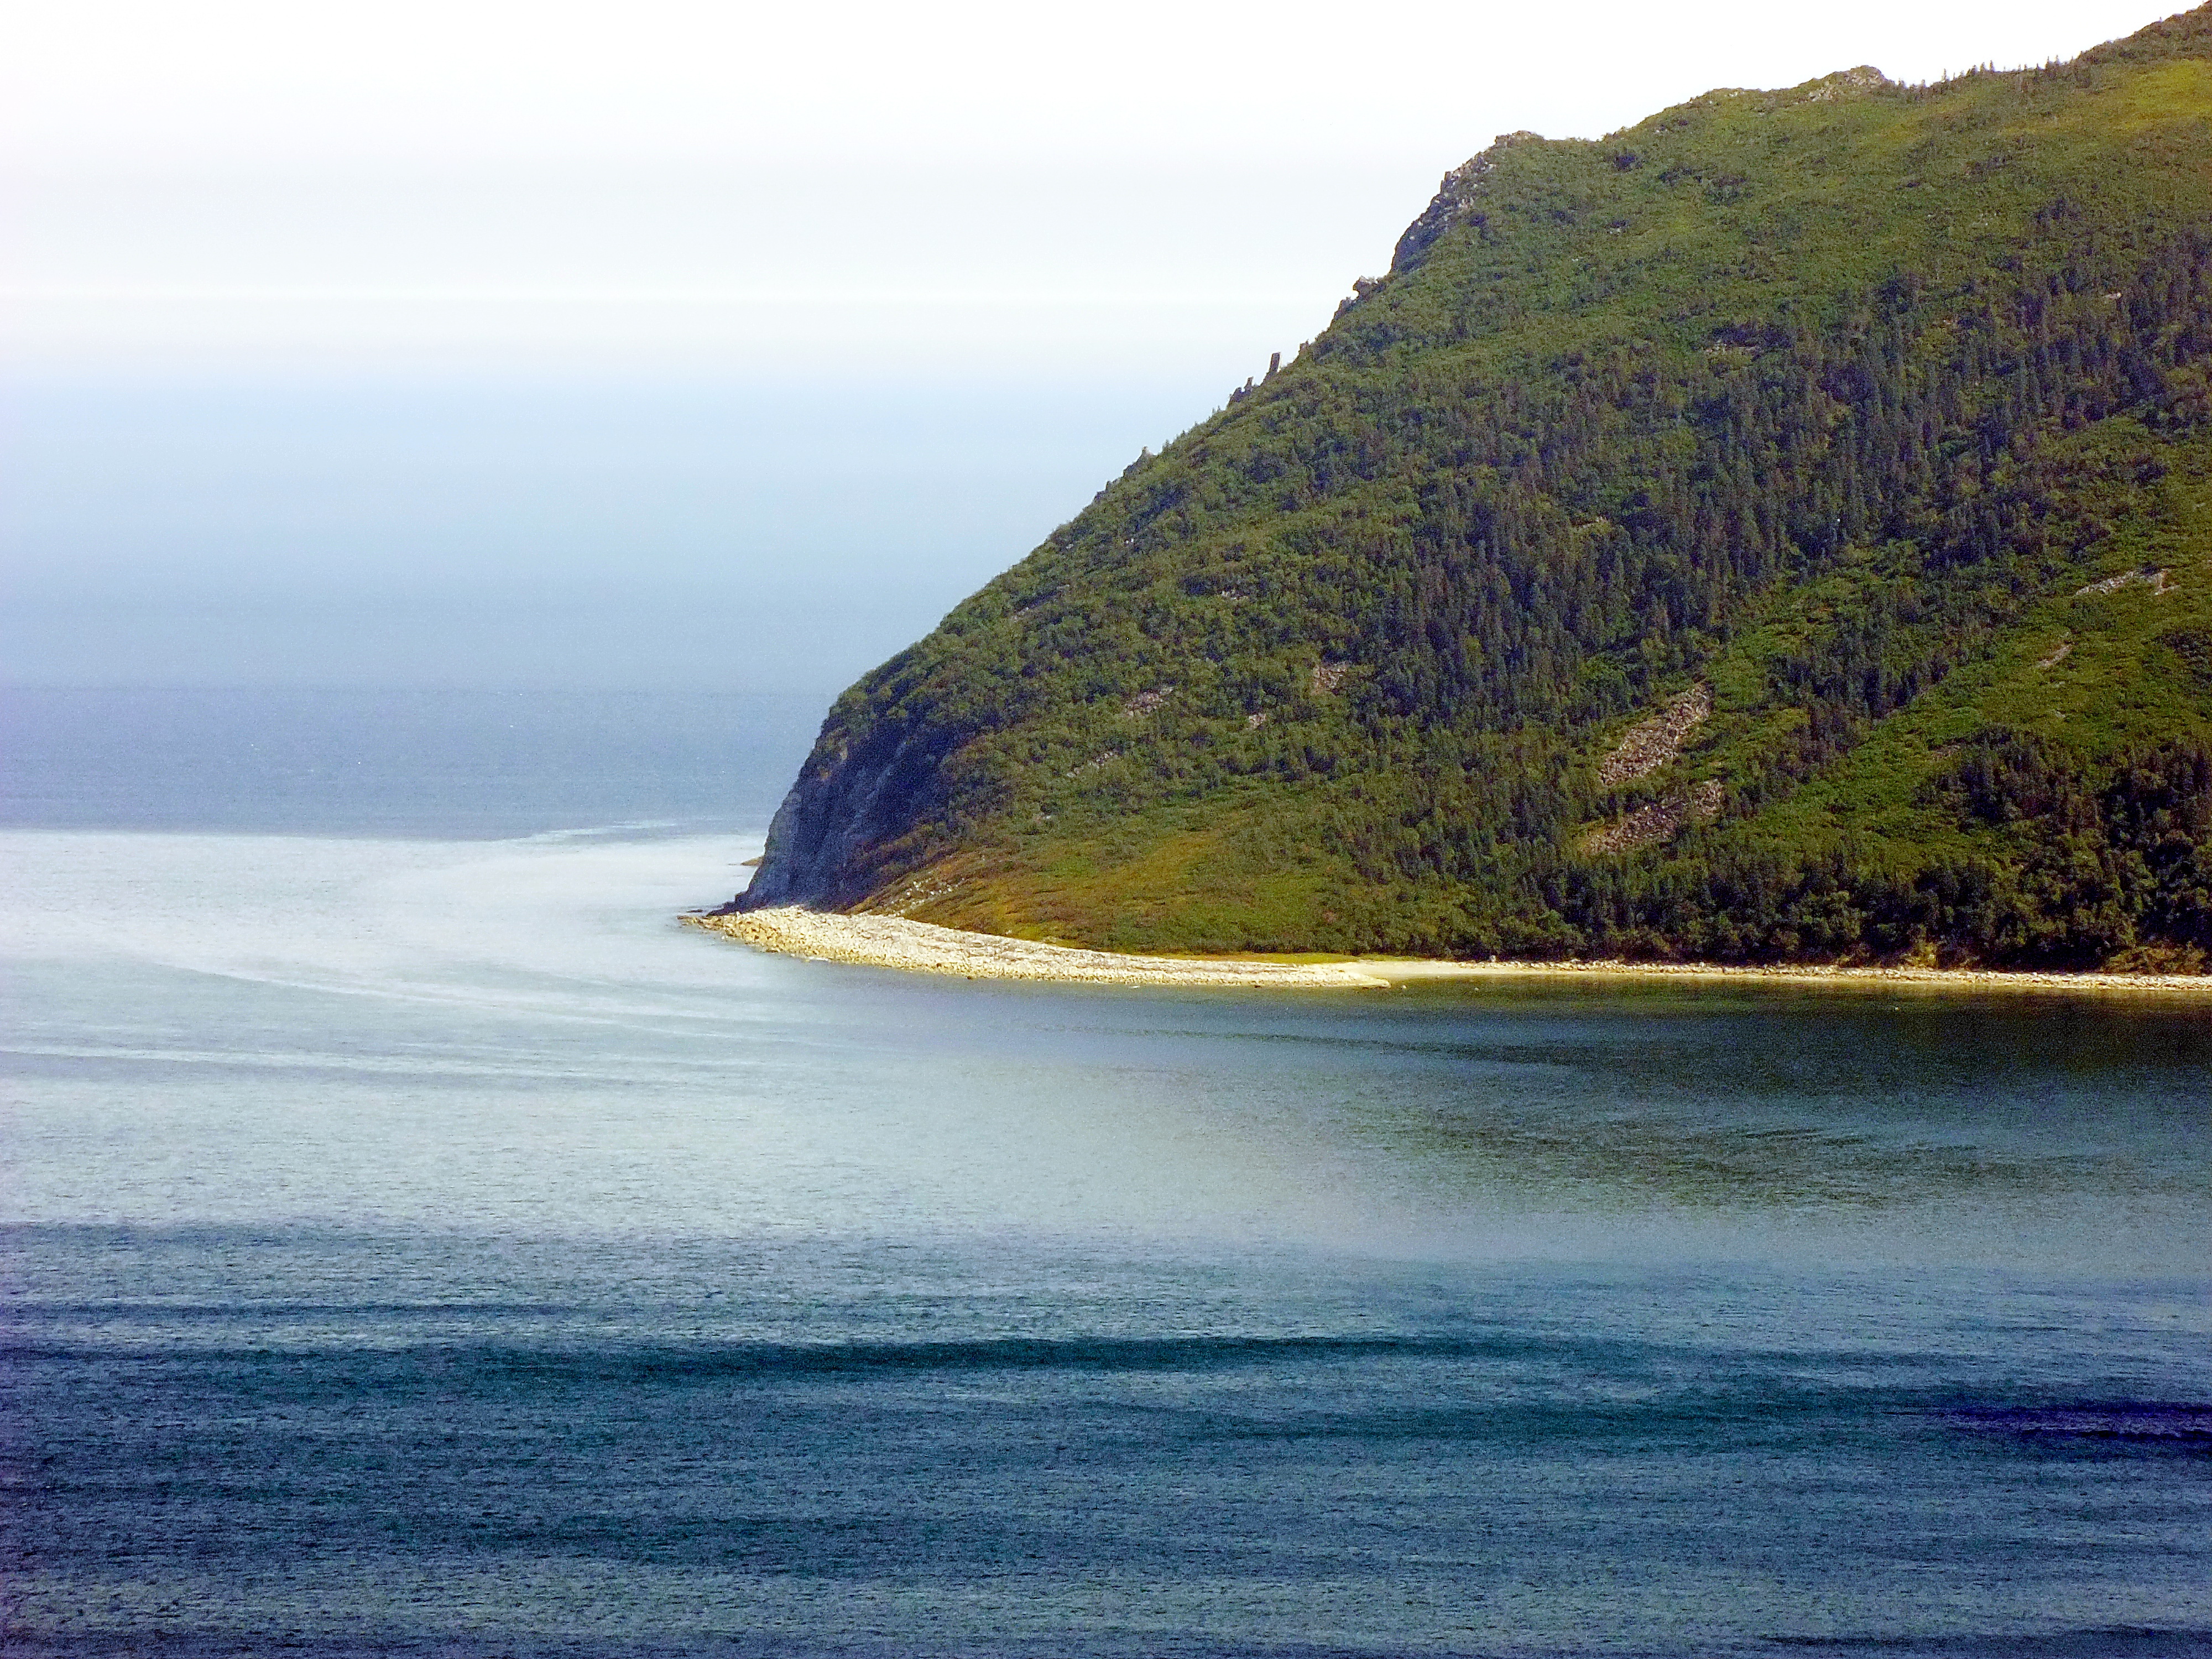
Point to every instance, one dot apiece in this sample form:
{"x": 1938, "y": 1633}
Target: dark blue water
{"x": 416, "y": 1243}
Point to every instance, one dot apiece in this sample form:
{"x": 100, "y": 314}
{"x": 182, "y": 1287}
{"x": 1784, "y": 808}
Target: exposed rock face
{"x": 1457, "y": 200}
{"x": 1361, "y": 288}
{"x": 852, "y": 803}
{"x": 1846, "y": 82}
{"x": 808, "y": 841}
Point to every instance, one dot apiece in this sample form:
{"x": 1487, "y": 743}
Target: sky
{"x": 729, "y": 345}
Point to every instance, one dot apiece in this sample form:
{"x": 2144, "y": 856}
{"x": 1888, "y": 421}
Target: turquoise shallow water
{"x": 424, "y": 1246}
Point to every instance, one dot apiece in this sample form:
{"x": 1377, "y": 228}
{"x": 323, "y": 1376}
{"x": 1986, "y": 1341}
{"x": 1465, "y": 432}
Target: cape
{"x": 1780, "y": 531}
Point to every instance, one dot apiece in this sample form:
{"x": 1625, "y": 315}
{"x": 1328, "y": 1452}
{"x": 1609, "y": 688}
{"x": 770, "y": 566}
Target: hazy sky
{"x": 653, "y": 321}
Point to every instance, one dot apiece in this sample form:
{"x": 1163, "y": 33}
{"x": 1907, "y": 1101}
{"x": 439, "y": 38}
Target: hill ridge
{"x": 1830, "y": 399}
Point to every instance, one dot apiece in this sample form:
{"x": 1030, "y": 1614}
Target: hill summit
{"x": 1781, "y": 530}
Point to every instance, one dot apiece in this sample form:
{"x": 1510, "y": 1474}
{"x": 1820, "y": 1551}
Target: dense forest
{"x": 1782, "y": 530}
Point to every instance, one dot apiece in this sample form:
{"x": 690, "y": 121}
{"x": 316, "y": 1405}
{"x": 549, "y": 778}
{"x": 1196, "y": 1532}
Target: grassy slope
{"x": 1219, "y": 568}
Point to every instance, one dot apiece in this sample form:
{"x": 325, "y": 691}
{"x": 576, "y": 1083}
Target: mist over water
{"x": 427, "y": 1245}
{"x": 517, "y": 1035}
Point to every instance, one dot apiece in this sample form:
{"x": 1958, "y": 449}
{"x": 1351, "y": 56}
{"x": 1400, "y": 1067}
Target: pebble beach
{"x": 874, "y": 941}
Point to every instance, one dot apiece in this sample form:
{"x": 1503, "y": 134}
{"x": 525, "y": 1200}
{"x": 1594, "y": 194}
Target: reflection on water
{"x": 428, "y": 1246}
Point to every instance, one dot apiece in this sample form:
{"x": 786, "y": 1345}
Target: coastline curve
{"x": 872, "y": 941}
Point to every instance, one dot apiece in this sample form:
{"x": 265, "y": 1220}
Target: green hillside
{"x": 1780, "y": 530}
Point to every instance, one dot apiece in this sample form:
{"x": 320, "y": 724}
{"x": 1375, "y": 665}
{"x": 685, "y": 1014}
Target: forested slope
{"x": 1780, "y": 530}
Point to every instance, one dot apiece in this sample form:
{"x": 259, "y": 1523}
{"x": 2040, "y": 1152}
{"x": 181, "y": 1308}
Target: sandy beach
{"x": 923, "y": 947}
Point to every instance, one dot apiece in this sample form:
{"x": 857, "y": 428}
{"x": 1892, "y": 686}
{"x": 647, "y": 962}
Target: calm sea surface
{"x": 417, "y": 1244}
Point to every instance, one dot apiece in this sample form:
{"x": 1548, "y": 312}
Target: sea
{"x": 417, "y": 1243}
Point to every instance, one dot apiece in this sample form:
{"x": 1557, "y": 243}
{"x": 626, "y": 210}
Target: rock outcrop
{"x": 1458, "y": 201}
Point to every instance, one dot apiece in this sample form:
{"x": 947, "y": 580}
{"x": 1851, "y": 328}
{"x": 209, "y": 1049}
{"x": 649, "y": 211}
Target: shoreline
{"x": 868, "y": 941}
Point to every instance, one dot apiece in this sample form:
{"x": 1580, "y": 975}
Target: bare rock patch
{"x": 1657, "y": 822}
{"x": 2149, "y": 576}
{"x": 1650, "y": 744}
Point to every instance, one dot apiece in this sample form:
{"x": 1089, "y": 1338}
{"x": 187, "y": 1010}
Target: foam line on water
{"x": 574, "y": 925}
